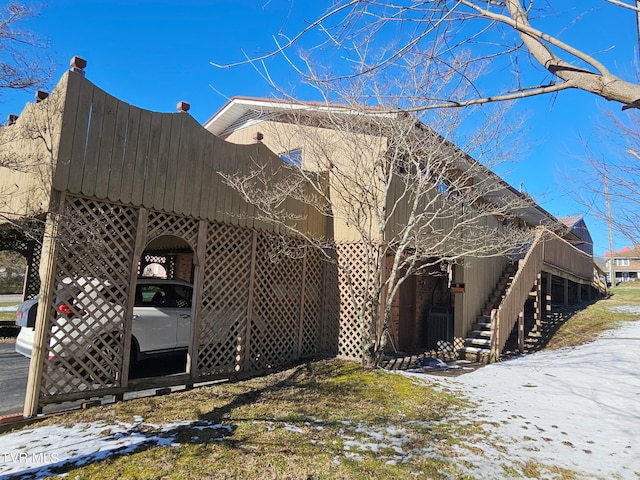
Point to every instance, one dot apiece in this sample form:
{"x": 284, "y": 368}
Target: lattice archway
{"x": 257, "y": 303}
{"x": 163, "y": 249}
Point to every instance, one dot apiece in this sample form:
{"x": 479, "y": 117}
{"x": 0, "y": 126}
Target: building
{"x": 111, "y": 188}
{"x": 626, "y": 264}
{"x": 427, "y": 314}
{"x": 578, "y": 233}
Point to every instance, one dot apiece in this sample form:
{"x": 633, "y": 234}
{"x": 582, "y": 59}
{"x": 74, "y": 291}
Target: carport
{"x": 118, "y": 188}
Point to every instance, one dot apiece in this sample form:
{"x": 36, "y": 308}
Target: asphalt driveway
{"x": 14, "y": 370}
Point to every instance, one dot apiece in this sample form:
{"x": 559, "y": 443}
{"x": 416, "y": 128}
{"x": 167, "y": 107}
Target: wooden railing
{"x": 547, "y": 249}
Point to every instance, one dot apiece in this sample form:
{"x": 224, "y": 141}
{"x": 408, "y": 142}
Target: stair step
{"x": 474, "y": 354}
{"x": 481, "y": 326}
{"x": 477, "y": 342}
{"x": 480, "y": 334}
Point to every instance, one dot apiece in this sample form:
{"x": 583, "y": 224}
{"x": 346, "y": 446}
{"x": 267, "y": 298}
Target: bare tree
{"x": 617, "y": 170}
{"x": 23, "y": 63}
{"x": 378, "y": 36}
{"x": 402, "y": 191}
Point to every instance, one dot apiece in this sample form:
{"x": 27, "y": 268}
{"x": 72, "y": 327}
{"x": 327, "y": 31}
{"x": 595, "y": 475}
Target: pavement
{"x": 14, "y": 370}
{"x": 11, "y": 298}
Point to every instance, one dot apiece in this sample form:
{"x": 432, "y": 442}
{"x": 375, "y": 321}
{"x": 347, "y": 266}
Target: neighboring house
{"x": 428, "y": 314}
{"x": 626, "y": 264}
{"x": 578, "y": 233}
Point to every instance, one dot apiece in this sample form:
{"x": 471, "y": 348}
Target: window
{"x": 150, "y": 295}
{"x": 622, "y": 262}
{"x": 292, "y": 157}
{"x": 182, "y": 296}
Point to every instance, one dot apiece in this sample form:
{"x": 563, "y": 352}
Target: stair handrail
{"x": 504, "y": 317}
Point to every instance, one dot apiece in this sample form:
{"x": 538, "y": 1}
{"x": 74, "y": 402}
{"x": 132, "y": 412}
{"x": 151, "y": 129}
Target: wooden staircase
{"x": 477, "y": 344}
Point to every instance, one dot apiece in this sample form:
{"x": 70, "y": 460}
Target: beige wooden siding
{"x": 321, "y": 147}
{"x": 480, "y": 278}
{"x": 113, "y": 151}
{"x": 27, "y": 155}
{"x": 561, "y": 255}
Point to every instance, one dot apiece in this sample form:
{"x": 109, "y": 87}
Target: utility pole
{"x": 612, "y": 272}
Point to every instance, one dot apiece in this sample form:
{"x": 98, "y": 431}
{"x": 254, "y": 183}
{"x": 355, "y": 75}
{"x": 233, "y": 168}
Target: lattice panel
{"x": 312, "y": 313}
{"x": 225, "y": 297}
{"x": 25, "y": 238}
{"x": 168, "y": 262}
{"x": 350, "y": 335}
{"x": 165, "y": 224}
{"x": 87, "y": 309}
{"x": 32, "y": 280}
{"x": 275, "y": 316}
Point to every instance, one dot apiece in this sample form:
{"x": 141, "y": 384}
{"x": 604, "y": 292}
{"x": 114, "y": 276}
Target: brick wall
{"x": 184, "y": 267}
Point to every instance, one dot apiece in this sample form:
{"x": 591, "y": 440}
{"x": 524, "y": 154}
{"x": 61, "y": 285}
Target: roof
{"x": 240, "y": 112}
{"x": 570, "y": 221}
{"x": 626, "y": 252}
{"x": 578, "y": 228}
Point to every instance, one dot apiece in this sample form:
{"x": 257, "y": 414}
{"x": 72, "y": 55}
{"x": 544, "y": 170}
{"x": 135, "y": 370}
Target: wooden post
{"x": 302, "y": 296}
{"x": 494, "y": 354}
{"x": 382, "y": 306}
{"x": 548, "y": 292}
{"x": 138, "y": 249}
{"x": 198, "y": 279}
{"x": 521, "y": 332}
{"x": 47, "y": 287}
{"x": 538, "y": 302}
{"x": 566, "y": 291}
{"x": 252, "y": 281}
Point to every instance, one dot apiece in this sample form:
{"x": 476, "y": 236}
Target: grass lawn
{"x": 602, "y": 315}
{"x": 8, "y": 316}
{"x": 293, "y": 424}
{"x": 321, "y": 420}
{"x": 8, "y": 329}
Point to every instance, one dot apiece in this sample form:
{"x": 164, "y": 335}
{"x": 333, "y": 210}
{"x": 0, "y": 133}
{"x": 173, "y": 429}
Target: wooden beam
{"x": 47, "y": 288}
{"x": 138, "y": 249}
{"x": 538, "y": 302}
{"x": 252, "y": 281}
{"x": 196, "y": 308}
{"x": 302, "y": 303}
{"x": 521, "y": 332}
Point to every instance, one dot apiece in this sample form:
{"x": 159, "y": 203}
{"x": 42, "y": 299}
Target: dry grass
{"x": 585, "y": 325}
{"x": 292, "y": 424}
{"x": 295, "y": 424}
{"x": 8, "y": 328}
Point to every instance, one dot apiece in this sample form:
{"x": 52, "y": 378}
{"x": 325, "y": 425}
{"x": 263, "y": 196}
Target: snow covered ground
{"x": 575, "y": 408}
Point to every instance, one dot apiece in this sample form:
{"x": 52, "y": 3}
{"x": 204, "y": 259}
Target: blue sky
{"x": 154, "y": 54}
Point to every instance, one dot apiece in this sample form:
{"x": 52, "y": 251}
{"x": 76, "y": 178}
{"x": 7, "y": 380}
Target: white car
{"x": 161, "y": 317}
